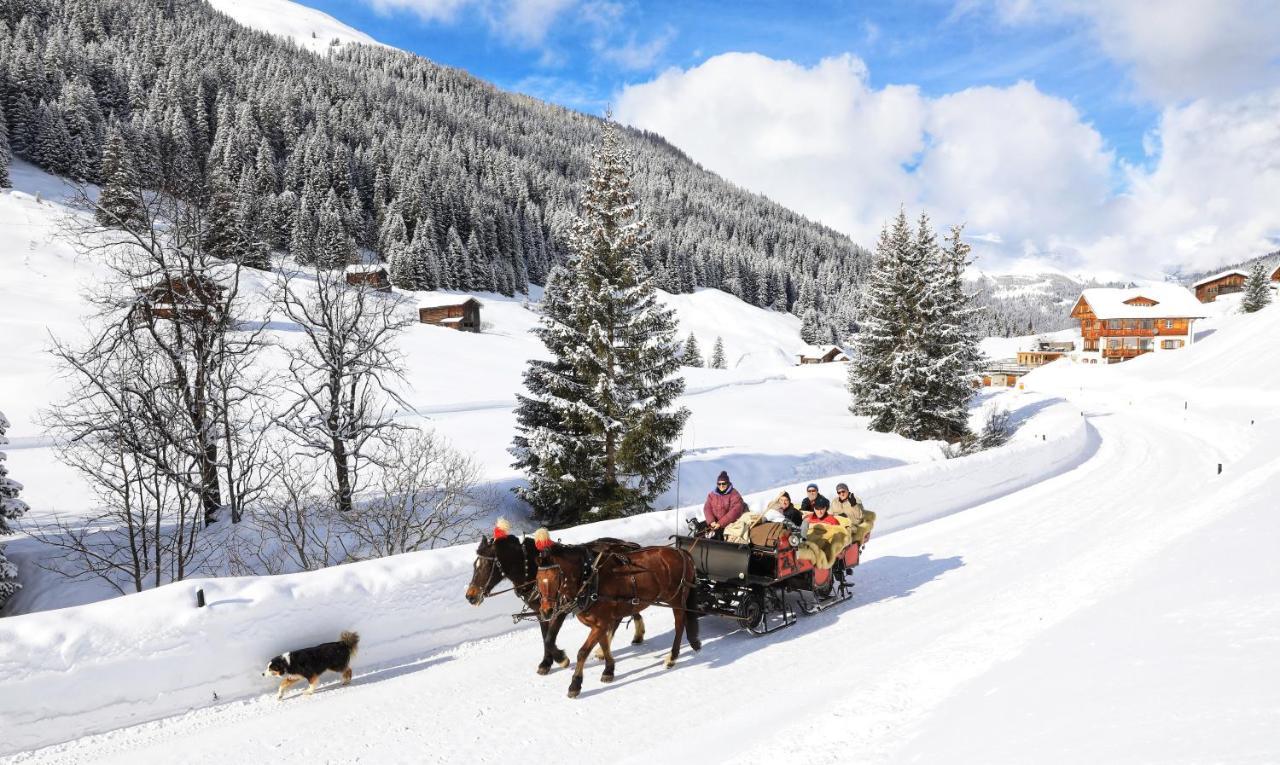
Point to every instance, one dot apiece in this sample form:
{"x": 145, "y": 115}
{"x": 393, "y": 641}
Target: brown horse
{"x": 511, "y": 558}
{"x": 606, "y": 587}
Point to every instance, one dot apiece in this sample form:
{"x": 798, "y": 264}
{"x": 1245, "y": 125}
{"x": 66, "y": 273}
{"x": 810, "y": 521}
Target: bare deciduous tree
{"x": 340, "y": 372}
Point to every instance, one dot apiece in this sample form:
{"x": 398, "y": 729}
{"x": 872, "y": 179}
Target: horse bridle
{"x": 502, "y": 572}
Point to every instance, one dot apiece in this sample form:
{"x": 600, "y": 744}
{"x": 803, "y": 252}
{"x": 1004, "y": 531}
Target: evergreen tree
{"x": 887, "y": 313}
{"x": 11, "y": 508}
{"x": 950, "y": 342}
{"x": 717, "y": 355}
{"x": 4, "y": 150}
{"x": 333, "y": 248}
{"x": 1257, "y": 289}
{"x": 691, "y": 356}
{"x": 118, "y": 203}
{"x": 810, "y": 328}
{"x": 222, "y": 236}
{"x": 597, "y": 428}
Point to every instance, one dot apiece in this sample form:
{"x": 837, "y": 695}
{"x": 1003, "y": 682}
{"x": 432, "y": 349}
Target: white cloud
{"x": 1178, "y": 49}
{"x": 634, "y": 55}
{"x": 1027, "y": 173}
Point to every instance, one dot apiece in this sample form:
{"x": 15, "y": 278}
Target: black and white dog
{"x": 310, "y": 663}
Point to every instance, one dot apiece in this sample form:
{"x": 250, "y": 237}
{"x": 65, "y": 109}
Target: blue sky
{"x": 1100, "y": 137}
{"x": 928, "y": 44}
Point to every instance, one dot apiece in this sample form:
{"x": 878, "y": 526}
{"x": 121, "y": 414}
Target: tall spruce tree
{"x": 596, "y": 431}
{"x": 918, "y": 349}
{"x": 691, "y": 355}
{"x": 1257, "y": 290}
{"x": 717, "y": 355}
{"x": 118, "y": 203}
{"x": 4, "y": 149}
{"x": 11, "y": 508}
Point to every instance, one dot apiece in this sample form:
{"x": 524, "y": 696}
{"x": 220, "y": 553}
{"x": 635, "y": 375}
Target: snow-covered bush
{"x": 10, "y": 509}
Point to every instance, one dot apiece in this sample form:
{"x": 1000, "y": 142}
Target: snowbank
{"x": 96, "y": 667}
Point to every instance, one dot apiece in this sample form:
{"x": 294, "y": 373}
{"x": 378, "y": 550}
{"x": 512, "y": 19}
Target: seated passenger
{"x": 781, "y": 509}
{"x": 812, "y": 496}
{"x": 847, "y": 504}
{"x": 821, "y": 513}
{"x": 724, "y": 505}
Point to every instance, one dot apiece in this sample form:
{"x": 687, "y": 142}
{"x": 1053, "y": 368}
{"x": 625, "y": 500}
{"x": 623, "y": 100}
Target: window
{"x": 1146, "y": 324}
{"x": 1170, "y": 344}
{"x": 1113, "y": 324}
{"x": 1146, "y": 344}
{"x": 1168, "y": 323}
{"x": 1113, "y": 342}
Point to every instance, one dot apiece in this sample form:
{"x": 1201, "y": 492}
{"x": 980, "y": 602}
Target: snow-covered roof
{"x": 365, "y": 268}
{"x": 1216, "y": 277}
{"x": 442, "y": 300}
{"x": 1171, "y": 302}
{"x": 818, "y": 351}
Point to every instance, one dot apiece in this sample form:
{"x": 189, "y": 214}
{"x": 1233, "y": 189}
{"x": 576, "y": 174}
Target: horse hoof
{"x": 543, "y": 670}
{"x": 606, "y": 678}
{"x": 670, "y": 662}
{"x": 695, "y": 645}
{"x": 637, "y": 641}
{"x": 563, "y": 662}
{"x": 573, "y": 693}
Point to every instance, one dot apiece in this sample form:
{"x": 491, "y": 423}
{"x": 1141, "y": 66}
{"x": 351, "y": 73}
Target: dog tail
{"x": 350, "y": 640}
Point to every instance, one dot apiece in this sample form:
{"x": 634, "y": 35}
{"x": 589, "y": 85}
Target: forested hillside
{"x": 455, "y": 183}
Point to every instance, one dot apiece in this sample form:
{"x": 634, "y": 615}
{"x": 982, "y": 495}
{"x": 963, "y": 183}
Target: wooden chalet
{"x": 1043, "y": 353}
{"x": 372, "y": 276}
{"x": 1275, "y": 275}
{"x": 461, "y": 312}
{"x": 179, "y": 298}
{"x": 824, "y": 354}
{"x": 1120, "y": 324}
{"x": 1209, "y": 288}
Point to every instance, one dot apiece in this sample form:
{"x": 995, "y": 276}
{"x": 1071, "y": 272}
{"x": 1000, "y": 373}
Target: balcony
{"x": 1124, "y": 353}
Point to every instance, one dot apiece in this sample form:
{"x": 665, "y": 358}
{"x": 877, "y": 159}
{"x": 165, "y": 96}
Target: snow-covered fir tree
{"x": 11, "y": 508}
{"x": 691, "y": 355}
{"x": 811, "y": 328}
{"x": 717, "y": 355}
{"x": 916, "y": 354}
{"x": 596, "y": 431}
{"x": 4, "y": 150}
{"x": 1257, "y": 289}
{"x": 118, "y": 204}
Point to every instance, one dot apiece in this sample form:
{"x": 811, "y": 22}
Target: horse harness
{"x": 589, "y": 592}
{"x": 502, "y": 572}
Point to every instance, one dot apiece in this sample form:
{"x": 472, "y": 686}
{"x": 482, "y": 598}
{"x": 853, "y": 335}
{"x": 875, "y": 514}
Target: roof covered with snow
{"x": 1171, "y": 302}
{"x": 1224, "y": 274}
{"x": 443, "y": 299}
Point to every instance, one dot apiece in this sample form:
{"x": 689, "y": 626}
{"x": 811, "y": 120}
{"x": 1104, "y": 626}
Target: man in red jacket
{"x": 724, "y": 505}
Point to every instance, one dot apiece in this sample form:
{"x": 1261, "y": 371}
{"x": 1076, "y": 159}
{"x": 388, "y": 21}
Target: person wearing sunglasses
{"x": 724, "y": 504}
{"x": 848, "y": 505}
{"x": 811, "y": 497}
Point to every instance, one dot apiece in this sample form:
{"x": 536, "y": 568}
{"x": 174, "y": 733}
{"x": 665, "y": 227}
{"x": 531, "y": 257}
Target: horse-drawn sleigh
{"x": 607, "y": 581}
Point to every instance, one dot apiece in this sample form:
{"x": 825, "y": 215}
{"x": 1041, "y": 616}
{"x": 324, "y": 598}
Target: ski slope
{"x": 1117, "y": 605}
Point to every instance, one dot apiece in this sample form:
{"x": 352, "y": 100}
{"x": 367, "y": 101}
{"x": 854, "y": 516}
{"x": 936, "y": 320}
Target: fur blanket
{"x": 740, "y": 530}
{"x": 824, "y": 542}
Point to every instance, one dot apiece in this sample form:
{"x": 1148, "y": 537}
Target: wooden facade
{"x": 1120, "y": 339}
{"x": 828, "y": 355}
{"x": 1275, "y": 275}
{"x": 178, "y": 298}
{"x": 464, "y": 316}
{"x": 1225, "y": 283}
{"x": 375, "y": 278}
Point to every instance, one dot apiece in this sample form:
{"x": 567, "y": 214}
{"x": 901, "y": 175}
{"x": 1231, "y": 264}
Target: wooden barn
{"x": 186, "y": 298}
{"x": 1209, "y": 288}
{"x": 461, "y": 312}
{"x": 1275, "y": 275}
{"x": 823, "y": 354}
{"x": 1120, "y": 324}
{"x": 372, "y": 276}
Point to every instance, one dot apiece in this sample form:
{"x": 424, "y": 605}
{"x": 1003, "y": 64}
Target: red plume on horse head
{"x": 542, "y": 539}
{"x": 501, "y": 529}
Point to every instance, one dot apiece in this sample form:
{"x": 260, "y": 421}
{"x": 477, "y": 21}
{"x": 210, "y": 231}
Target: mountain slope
{"x": 308, "y": 27}
{"x": 394, "y": 146}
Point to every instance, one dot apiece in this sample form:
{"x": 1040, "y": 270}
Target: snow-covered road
{"x": 969, "y": 637}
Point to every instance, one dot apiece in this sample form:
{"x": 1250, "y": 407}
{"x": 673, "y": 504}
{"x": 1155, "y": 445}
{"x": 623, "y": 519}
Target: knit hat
{"x": 813, "y": 486}
{"x": 724, "y": 476}
{"x": 842, "y": 487}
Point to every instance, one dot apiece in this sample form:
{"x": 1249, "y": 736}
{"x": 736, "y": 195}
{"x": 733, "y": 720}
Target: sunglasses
{"x": 812, "y": 491}
{"x": 722, "y": 483}
{"x": 842, "y": 492}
